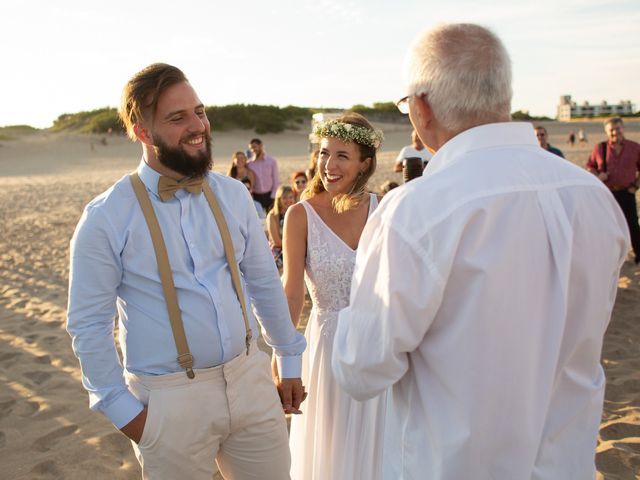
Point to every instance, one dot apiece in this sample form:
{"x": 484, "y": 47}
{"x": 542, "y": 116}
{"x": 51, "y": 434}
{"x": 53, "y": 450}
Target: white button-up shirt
{"x": 481, "y": 293}
{"x": 113, "y": 264}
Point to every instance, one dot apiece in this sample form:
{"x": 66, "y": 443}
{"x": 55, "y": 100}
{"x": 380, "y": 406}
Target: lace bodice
{"x": 330, "y": 262}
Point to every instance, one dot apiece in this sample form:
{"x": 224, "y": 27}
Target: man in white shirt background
{"x": 416, "y": 149}
{"x": 482, "y": 290}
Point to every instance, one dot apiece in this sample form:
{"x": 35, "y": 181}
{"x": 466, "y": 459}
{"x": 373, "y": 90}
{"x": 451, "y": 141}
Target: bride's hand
{"x": 274, "y": 370}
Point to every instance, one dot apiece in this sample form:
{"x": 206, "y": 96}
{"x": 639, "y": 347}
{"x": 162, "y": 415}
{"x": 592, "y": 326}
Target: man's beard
{"x": 180, "y": 161}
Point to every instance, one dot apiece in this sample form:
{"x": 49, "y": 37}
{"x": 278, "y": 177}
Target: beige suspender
{"x": 185, "y": 359}
{"x": 231, "y": 258}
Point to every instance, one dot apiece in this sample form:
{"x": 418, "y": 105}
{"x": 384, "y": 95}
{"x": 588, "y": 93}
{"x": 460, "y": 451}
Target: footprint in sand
{"x": 47, "y": 469}
{"x": 619, "y": 430}
{"x": 38, "y": 377}
{"x": 9, "y": 358}
{"x": 29, "y": 408}
{"x": 31, "y": 339}
{"x": 44, "y": 443}
{"x": 44, "y": 359}
{"x": 115, "y": 444}
{"x": 50, "y": 340}
{"x": 6, "y": 406}
{"x": 53, "y": 412}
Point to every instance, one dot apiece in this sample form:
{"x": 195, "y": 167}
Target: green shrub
{"x": 10, "y": 132}
{"x": 94, "y": 121}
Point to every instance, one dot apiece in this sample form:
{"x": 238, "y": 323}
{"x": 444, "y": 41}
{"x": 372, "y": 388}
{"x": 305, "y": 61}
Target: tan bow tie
{"x": 167, "y": 187}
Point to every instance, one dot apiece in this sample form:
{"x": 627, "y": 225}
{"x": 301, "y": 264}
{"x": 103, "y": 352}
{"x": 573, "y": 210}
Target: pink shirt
{"x": 267, "y": 178}
{"x": 621, "y": 168}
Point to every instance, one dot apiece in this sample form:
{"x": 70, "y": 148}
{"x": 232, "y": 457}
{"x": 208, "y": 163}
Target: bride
{"x": 321, "y": 235}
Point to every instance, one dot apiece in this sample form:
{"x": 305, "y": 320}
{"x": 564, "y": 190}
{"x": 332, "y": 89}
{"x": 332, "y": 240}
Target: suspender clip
{"x": 247, "y": 340}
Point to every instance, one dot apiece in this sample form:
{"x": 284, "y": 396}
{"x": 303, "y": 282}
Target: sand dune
{"x": 46, "y": 427}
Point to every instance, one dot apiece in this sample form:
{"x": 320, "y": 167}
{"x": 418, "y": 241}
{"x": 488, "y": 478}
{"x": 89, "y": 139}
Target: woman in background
{"x": 239, "y": 170}
{"x": 298, "y": 183}
{"x": 285, "y": 197}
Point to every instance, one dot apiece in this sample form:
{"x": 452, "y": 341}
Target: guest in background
{"x": 543, "y": 140}
{"x": 416, "y": 149}
{"x": 582, "y": 137}
{"x": 285, "y": 197}
{"x": 616, "y": 162}
{"x": 267, "y": 178}
{"x": 387, "y": 186}
{"x": 259, "y": 210}
{"x": 298, "y": 183}
{"x": 239, "y": 169}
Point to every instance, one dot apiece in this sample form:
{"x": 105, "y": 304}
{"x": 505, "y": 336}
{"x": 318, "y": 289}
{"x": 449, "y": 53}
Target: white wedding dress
{"x": 336, "y": 436}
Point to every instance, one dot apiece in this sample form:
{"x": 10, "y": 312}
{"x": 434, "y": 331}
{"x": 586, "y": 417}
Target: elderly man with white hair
{"x": 482, "y": 290}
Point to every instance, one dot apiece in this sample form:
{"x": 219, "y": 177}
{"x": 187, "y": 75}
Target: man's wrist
{"x": 289, "y": 366}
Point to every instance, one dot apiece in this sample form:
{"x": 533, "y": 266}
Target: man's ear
{"x": 142, "y": 134}
{"x": 424, "y": 113}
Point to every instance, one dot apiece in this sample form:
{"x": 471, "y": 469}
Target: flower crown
{"x": 349, "y": 133}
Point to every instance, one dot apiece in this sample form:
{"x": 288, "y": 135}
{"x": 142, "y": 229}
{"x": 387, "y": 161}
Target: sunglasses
{"x": 301, "y": 182}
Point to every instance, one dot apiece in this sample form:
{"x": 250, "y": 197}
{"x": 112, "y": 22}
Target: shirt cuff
{"x": 124, "y": 409}
{"x": 289, "y": 366}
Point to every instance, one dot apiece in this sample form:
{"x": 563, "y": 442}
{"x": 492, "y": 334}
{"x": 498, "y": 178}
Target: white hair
{"x": 465, "y": 72}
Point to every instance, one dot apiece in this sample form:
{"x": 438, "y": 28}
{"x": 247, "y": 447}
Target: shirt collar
{"x": 492, "y": 135}
{"x": 148, "y": 176}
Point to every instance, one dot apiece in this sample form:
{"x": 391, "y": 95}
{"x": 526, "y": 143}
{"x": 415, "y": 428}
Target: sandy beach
{"x": 46, "y": 428}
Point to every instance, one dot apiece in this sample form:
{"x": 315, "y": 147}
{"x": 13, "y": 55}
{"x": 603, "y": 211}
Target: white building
{"x": 567, "y": 109}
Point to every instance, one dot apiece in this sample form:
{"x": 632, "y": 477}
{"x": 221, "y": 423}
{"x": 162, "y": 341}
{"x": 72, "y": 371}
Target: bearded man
{"x": 164, "y": 247}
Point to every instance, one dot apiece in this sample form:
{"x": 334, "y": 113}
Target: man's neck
{"x": 149, "y": 157}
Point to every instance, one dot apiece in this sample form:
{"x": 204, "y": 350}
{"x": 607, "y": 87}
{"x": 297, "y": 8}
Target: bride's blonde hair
{"x": 358, "y": 192}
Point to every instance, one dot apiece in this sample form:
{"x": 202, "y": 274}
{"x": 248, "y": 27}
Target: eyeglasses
{"x": 403, "y": 105}
{"x": 301, "y": 182}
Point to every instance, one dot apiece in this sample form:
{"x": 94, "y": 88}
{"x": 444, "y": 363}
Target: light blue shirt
{"x": 113, "y": 265}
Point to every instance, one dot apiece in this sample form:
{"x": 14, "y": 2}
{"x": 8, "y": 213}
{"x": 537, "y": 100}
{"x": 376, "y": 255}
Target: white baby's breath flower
{"x": 348, "y": 133}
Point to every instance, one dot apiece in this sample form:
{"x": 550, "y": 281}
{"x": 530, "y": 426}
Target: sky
{"x": 67, "y": 56}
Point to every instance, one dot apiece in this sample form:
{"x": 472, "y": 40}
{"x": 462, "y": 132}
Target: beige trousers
{"x": 230, "y": 415}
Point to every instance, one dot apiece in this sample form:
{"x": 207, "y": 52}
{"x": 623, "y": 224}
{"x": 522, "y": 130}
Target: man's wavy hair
{"x": 141, "y": 93}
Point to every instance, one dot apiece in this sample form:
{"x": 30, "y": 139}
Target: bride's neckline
{"x": 315, "y": 212}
